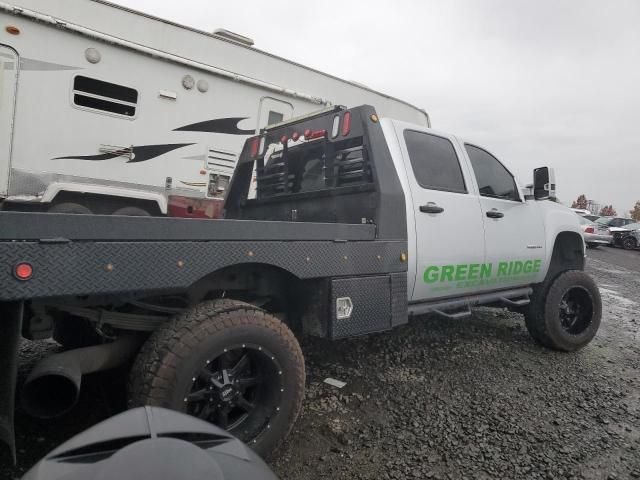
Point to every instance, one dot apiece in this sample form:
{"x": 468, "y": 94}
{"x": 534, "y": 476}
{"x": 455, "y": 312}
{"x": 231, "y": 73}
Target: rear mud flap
{"x": 10, "y": 327}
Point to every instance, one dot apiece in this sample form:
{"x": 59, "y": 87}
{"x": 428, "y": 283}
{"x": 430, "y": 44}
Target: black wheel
{"x": 629, "y": 243}
{"x": 229, "y": 363}
{"x": 69, "y": 207}
{"x": 132, "y": 212}
{"x": 568, "y": 316}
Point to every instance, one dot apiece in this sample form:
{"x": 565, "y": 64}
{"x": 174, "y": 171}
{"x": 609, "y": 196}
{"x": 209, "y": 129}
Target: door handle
{"x": 431, "y": 207}
{"x": 495, "y": 214}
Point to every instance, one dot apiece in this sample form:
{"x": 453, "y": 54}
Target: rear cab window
{"x": 434, "y": 162}
{"x": 494, "y": 180}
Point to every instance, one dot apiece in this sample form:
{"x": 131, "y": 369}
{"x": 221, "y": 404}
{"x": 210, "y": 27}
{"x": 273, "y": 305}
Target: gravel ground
{"x": 446, "y": 399}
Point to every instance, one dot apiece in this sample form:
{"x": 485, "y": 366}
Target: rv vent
{"x": 234, "y": 37}
{"x": 221, "y": 161}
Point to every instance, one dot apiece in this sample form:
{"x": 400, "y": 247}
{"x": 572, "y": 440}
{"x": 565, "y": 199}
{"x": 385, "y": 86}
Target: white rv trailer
{"x": 108, "y": 110}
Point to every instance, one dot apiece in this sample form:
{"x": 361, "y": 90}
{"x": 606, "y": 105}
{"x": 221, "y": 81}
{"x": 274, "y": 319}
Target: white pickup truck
{"x": 336, "y": 224}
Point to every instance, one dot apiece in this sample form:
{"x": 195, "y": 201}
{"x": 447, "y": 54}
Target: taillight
{"x": 310, "y": 134}
{"x": 23, "y": 271}
{"x": 588, "y": 230}
{"x": 255, "y": 143}
{"x": 335, "y": 128}
{"x": 346, "y": 124}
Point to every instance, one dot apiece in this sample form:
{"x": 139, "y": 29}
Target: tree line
{"x": 607, "y": 210}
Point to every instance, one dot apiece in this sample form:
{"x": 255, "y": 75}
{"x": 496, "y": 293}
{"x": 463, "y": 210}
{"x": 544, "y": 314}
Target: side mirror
{"x": 544, "y": 184}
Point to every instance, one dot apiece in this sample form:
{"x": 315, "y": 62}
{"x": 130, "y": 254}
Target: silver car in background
{"x": 604, "y": 223}
{"x": 593, "y": 236}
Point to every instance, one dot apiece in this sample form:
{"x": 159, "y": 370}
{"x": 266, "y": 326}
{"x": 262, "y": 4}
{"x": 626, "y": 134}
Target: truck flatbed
{"x": 39, "y": 226}
{"x": 102, "y": 255}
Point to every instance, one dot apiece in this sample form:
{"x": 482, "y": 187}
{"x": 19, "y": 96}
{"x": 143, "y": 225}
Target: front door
{"x": 514, "y": 230}
{"x": 449, "y": 240}
{"x": 8, "y": 85}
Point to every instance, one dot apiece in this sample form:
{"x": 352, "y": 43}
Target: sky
{"x": 545, "y": 82}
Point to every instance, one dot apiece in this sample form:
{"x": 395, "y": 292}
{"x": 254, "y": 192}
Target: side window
{"x": 104, "y": 96}
{"x": 434, "y": 162}
{"x": 493, "y": 179}
{"x": 274, "y": 117}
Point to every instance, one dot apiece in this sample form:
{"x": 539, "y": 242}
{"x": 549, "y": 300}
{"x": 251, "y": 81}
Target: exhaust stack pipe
{"x": 53, "y": 386}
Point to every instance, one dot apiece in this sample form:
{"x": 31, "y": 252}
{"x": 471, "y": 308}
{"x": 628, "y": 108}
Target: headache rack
{"x": 312, "y": 166}
{"x": 323, "y": 167}
{"x": 323, "y": 151}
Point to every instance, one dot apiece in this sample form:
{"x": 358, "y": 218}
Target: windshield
{"x": 604, "y": 220}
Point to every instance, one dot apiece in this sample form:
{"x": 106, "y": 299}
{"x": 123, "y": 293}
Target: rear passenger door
{"x": 448, "y": 235}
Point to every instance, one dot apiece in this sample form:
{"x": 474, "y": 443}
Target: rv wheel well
{"x": 106, "y": 204}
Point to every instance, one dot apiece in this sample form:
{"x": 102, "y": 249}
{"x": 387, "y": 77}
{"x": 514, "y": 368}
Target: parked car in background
{"x": 592, "y": 236}
{"x": 627, "y": 237}
{"x": 608, "y": 225}
{"x": 586, "y": 214}
{"x": 631, "y": 240}
{"x": 607, "y": 222}
{"x": 581, "y": 211}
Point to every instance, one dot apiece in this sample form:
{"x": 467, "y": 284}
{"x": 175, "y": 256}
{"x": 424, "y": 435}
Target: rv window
{"x": 104, "y": 96}
{"x": 274, "y": 117}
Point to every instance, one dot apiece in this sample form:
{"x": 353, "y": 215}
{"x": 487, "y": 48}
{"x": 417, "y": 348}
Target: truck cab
{"x": 470, "y": 227}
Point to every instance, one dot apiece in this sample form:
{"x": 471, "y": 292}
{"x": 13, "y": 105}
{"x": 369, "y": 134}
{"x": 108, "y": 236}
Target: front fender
{"x": 566, "y": 248}
{"x": 560, "y": 222}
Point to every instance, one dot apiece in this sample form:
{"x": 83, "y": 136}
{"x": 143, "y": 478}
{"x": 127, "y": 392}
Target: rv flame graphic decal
{"x": 218, "y": 125}
{"x": 140, "y": 153}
